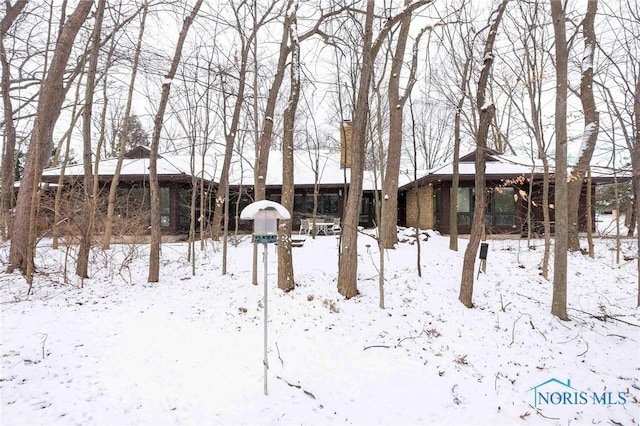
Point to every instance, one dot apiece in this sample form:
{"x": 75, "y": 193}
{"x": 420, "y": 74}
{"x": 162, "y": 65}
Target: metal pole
{"x": 265, "y": 362}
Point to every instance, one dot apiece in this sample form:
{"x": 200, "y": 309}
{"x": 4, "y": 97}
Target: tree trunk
{"x": 113, "y": 186}
{"x": 388, "y": 227}
{"x": 57, "y": 204}
{"x": 415, "y": 188}
{"x": 635, "y": 165}
{"x": 348, "y": 266}
{"x": 286, "y": 280}
{"x": 52, "y": 94}
{"x": 455, "y": 180}
{"x": 591, "y": 126}
{"x": 487, "y": 112}
{"x": 589, "y": 216}
{"x": 559, "y": 301}
{"x": 9, "y": 143}
{"x": 88, "y": 210}
{"x": 154, "y": 254}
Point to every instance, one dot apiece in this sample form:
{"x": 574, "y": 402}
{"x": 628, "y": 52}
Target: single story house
{"x": 511, "y": 183}
{"x": 318, "y": 179}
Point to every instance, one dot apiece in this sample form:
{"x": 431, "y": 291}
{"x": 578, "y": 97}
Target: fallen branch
{"x": 538, "y": 412}
{"x": 409, "y": 338}
{"x": 293, "y": 385}
{"x": 586, "y": 350}
{"x": 376, "y": 346}
{"x": 617, "y": 335}
{"x": 605, "y": 317}
{"x": 530, "y": 298}
{"x": 513, "y": 329}
{"x": 279, "y": 357}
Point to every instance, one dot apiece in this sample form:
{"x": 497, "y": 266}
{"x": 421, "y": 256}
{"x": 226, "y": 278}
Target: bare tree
{"x": 52, "y": 94}
{"x": 231, "y": 124}
{"x": 486, "y": 117}
{"x": 9, "y": 145}
{"x": 636, "y": 170}
{"x": 389, "y": 213}
{"x": 285, "y": 260}
{"x": 531, "y": 59}
{"x": 591, "y": 126}
{"x": 461, "y": 57}
{"x": 559, "y": 301}
{"x": 88, "y": 210}
{"x": 348, "y": 265}
{"x": 113, "y": 186}
{"x": 154, "y": 255}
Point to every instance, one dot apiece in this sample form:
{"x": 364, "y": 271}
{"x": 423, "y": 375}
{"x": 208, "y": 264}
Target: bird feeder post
{"x": 265, "y": 215}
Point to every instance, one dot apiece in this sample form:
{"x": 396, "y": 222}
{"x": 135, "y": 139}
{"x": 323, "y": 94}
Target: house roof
{"x": 173, "y": 166}
{"x": 168, "y": 167}
{"x": 497, "y": 167}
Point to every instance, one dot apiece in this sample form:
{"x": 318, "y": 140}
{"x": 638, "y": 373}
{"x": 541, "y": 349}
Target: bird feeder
{"x": 265, "y": 215}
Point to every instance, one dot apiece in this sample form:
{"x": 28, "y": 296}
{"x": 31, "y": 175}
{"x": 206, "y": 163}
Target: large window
{"x": 184, "y": 208}
{"x": 502, "y": 207}
{"x": 327, "y": 204}
{"x": 165, "y": 207}
{"x": 465, "y": 206}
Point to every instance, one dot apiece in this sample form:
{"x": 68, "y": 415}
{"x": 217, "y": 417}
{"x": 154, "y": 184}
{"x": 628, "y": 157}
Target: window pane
{"x": 504, "y": 202}
{"x": 184, "y": 208}
{"x": 464, "y": 219}
{"x": 504, "y": 220}
{"x": 464, "y": 200}
{"x": 165, "y": 207}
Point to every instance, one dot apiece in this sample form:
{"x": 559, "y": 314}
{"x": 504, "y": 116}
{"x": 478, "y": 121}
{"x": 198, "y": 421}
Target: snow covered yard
{"x": 189, "y": 349}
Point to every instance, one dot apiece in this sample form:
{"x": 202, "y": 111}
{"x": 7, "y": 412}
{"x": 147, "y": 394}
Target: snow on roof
{"x": 325, "y": 163}
{"x": 166, "y": 166}
{"x": 503, "y": 165}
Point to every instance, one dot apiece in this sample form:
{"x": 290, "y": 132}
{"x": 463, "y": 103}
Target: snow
{"x": 329, "y": 171}
{"x": 587, "y": 57}
{"x": 486, "y": 105}
{"x": 189, "y": 349}
{"x": 589, "y": 130}
{"x": 252, "y": 209}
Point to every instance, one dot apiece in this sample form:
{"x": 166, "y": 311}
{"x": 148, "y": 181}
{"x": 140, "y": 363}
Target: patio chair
{"x": 305, "y": 226}
{"x": 335, "y": 229}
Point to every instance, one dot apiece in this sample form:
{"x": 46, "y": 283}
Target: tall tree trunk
{"x": 455, "y": 181}
{"x": 635, "y": 165}
{"x": 559, "y": 301}
{"x": 487, "y": 111}
{"x": 348, "y": 266}
{"x": 52, "y": 94}
{"x": 388, "y": 226}
{"x": 264, "y": 145}
{"x": 415, "y": 188}
{"x": 9, "y": 143}
{"x": 154, "y": 254}
{"x": 590, "y": 215}
{"x": 286, "y": 280}
{"x": 348, "y": 263}
{"x": 88, "y": 210}
{"x": 113, "y": 186}
{"x": 534, "y": 90}
{"x": 57, "y": 203}
{"x": 591, "y": 126}
{"x": 231, "y": 129}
